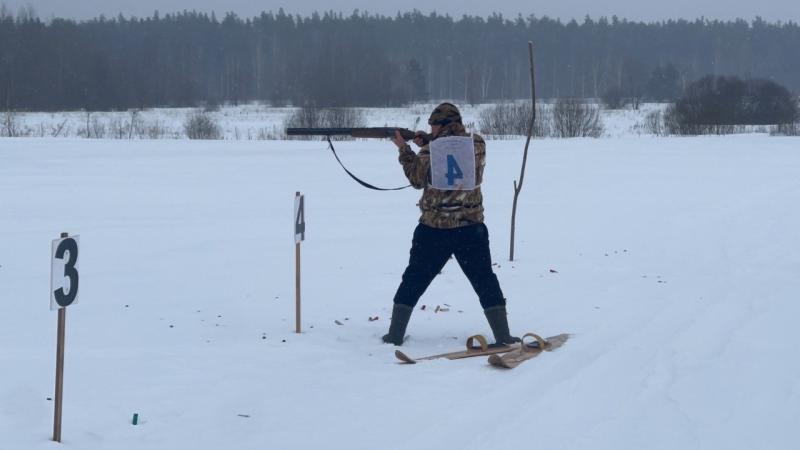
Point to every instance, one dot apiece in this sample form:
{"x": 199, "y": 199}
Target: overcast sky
{"x": 771, "y": 10}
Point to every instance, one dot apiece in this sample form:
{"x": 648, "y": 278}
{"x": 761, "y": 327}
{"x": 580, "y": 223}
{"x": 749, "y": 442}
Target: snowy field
{"x": 672, "y": 261}
{"x": 258, "y": 122}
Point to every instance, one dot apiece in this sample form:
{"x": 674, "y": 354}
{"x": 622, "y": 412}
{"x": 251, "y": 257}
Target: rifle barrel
{"x": 319, "y": 131}
{"x": 375, "y": 133}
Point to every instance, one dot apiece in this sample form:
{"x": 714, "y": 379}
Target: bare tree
{"x": 787, "y": 129}
{"x": 573, "y": 118}
{"x": 10, "y": 125}
{"x": 513, "y": 119}
{"x": 201, "y": 125}
{"x": 56, "y": 130}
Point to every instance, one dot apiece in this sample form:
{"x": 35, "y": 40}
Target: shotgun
{"x": 368, "y": 133}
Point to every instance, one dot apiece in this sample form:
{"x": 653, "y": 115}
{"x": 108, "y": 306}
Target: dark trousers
{"x": 430, "y": 250}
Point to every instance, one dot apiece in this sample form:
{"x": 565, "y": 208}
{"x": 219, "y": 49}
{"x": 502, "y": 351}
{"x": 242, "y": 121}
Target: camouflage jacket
{"x": 445, "y": 209}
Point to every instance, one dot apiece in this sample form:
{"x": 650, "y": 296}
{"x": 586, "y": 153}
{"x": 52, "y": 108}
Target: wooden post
{"x": 62, "y": 320}
{"x": 297, "y": 285}
{"x": 518, "y": 186}
{"x": 62, "y": 323}
{"x": 297, "y": 280}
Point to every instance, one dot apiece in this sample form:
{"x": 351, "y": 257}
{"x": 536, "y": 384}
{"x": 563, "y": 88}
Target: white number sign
{"x": 299, "y": 219}
{"x": 64, "y": 272}
{"x": 453, "y": 163}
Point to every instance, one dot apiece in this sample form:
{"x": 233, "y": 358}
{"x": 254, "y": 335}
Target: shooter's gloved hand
{"x": 421, "y": 138}
{"x": 399, "y": 140}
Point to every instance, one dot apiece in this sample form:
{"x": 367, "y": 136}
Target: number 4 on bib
{"x": 453, "y": 171}
{"x": 453, "y": 163}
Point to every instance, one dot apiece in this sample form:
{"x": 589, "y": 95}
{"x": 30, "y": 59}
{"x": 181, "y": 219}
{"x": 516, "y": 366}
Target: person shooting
{"x": 449, "y": 170}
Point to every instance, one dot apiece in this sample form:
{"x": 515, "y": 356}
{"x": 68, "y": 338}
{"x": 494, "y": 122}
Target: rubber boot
{"x": 397, "y": 329}
{"x": 498, "y": 321}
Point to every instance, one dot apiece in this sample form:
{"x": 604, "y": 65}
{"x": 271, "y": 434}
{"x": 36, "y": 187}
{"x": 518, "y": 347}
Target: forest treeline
{"x": 334, "y": 59}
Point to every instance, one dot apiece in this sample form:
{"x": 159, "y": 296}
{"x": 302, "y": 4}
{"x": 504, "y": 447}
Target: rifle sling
{"x": 360, "y": 181}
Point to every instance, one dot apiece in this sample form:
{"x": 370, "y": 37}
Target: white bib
{"x": 453, "y": 163}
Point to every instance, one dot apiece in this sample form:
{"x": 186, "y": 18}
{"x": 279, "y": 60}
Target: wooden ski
{"x": 517, "y": 356}
{"x": 483, "y": 348}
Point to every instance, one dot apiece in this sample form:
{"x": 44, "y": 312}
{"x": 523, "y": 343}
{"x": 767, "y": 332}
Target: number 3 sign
{"x": 64, "y": 272}
{"x": 453, "y": 163}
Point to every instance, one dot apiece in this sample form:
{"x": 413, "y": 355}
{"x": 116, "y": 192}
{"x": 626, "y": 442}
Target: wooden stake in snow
{"x": 518, "y": 186}
{"x": 299, "y": 236}
{"x": 64, "y": 266}
{"x": 62, "y": 322}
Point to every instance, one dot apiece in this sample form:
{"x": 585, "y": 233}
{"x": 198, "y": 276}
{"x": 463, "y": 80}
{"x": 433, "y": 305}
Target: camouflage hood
{"x": 444, "y": 114}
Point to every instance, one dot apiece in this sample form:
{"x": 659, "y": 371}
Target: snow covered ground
{"x": 674, "y": 263}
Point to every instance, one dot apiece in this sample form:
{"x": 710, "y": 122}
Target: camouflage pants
{"x": 431, "y": 248}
